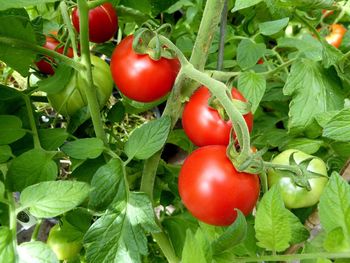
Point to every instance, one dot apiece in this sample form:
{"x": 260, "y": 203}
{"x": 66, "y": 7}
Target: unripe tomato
{"x": 211, "y": 188}
{"x": 203, "y": 124}
{"x": 336, "y": 35}
{"x": 64, "y": 247}
{"x": 103, "y": 22}
{"x": 139, "y": 77}
{"x": 51, "y": 43}
{"x": 72, "y": 98}
{"x": 293, "y": 195}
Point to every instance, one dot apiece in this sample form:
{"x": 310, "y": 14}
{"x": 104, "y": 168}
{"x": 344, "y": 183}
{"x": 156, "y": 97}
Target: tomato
{"x": 65, "y": 246}
{"x": 203, "y": 124}
{"x": 139, "y": 77}
{"x": 211, "y": 188}
{"x": 337, "y": 32}
{"x": 260, "y": 61}
{"x": 72, "y": 98}
{"x": 293, "y": 195}
{"x": 103, "y": 22}
{"x": 51, "y": 43}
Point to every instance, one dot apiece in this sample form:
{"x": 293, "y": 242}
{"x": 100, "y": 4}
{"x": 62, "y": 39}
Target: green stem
{"x": 13, "y": 222}
{"x": 223, "y": 24}
{"x": 69, "y": 26}
{"x": 96, "y": 3}
{"x": 35, "y": 233}
{"x": 305, "y": 22}
{"x": 32, "y": 123}
{"x": 90, "y": 90}
{"x": 20, "y": 44}
{"x": 222, "y": 75}
{"x": 276, "y": 69}
{"x": 292, "y": 168}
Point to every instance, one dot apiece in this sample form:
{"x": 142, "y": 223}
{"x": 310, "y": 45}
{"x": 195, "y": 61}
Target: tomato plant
{"x": 52, "y": 44}
{"x": 335, "y": 37}
{"x": 203, "y": 124}
{"x": 103, "y": 22}
{"x": 295, "y": 196}
{"x": 72, "y": 98}
{"x": 211, "y": 188}
{"x": 139, "y": 77}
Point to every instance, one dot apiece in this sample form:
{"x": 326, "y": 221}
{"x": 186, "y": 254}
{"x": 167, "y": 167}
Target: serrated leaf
{"x": 272, "y": 226}
{"x": 49, "y": 199}
{"x": 148, "y": 139}
{"x": 5, "y": 153}
{"x": 29, "y": 168}
{"x": 241, "y": 4}
{"x": 338, "y": 127}
{"x": 192, "y": 251}
{"x": 253, "y": 87}
{"x": 248, "y": 53}
{"x": 107, "y": 185}
{"x": 88, "y": 148}
{"x": 120, "y": 237}
{"x": 331, "y": 55}
{"x": 10, "y": 129}
{"x": 7, "y": 253}
{"x": 37, "y": 252}
{"x": 273, "y": 27}
{"x": 314, "y": 91}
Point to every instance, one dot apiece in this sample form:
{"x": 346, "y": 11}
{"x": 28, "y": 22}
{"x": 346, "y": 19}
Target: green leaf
{"x": 273, "y": 27}
{"x": 253, "y": 87}
{"x": 272, "y": 226}
{"x": 31, "y": 167}
{"x": 178, "y": 137}
{"x": 337, "y": 241}
{"x": 4, "y": 4}
{"x": 248, "y": 53}
{"x": 13, "y": 29}
{"x": 117, "y": 112}
{"x": 323, "y": 118}
{"x": 331, "y": 55}
{"x": 10, "y": 129}
{"x": 248, "y": 246}
{"x": 309, "y": 4}
{"x": 314, "y": 91}
{"x": 84, "y": 148}
{"x": 2, "y": 190}
{"x": 49, "y": 199}
{"x": 107, "y": 185}
{"x": 192, "y": 251}
{"x": 7, "y": 253}
{"x": 338, "y": 127}
{"x": 306, "y": 145}
{"x": 233, "y": 235}
{"x": 58, "y": 81}
{"x": 298, "y": 231}
{"x": 5, "y": 153}
{"x": 148, "y": 139}
{"x": 120, "y": 236}
{"x": 241, "y": 4}
{"x": 51, "y": 139}
{"x": 36, "y": 251}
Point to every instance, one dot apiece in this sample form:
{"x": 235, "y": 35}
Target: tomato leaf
{"x": 178, "y": 137}
{"x": 241, "y": 4}
{"x": 306, "y": 145}
{"x": 309, "y": 4}
{"x": 272, "y": 226}
{"x": 31, "y": 167}
{"x": 84, "y": 148}
{"x": 338, "y": 127}
{"x": 321, "y": 95}
{"x": 248, "y": 53}
{"x": 51, "y": 139}
{"x": 36, "y": 251}
{"x": 330, "y": 54}
{"x": 119, "y": 236}
{"x": 193, "y": 251}
{"x": 4, "y": 4}
{"x": 10, "y": 129}
{"x": 49, "y": 199}
{"x": 273, "y": 27}
{"x": 58, "y": 81}
{"x": 108, "y": 185}
{"x": 148, "y": 139}
{"x": 5, "y": 153}
{"x": 298, "y": 231}
{"x": 253, "y": 87}
{"x": 7, "y": 253}
{"x": 337, "y": 240}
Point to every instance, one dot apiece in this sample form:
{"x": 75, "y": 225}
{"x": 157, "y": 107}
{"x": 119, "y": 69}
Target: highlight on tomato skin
{"x": 335, "y": 37}
{"x": 211, "y": 188}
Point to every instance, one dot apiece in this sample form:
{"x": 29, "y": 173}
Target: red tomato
{"x": 103, "y": 22}
{"x": 260, "y": 61}
{"x": 211, "y": 188}
{"x": 139, "y": 77}
{"x": 336, "y": 35}
{"x": 51, "y": 43}
{"x": 203, "y": 124}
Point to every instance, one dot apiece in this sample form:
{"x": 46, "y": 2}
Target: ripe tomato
{"x": 203, "y": 124}
{"x": 103, "y": 22}
{"x": 337, "y": 32}
{"x": 65, "y": 246}
{"x": 295, "y": 196}
{"x": 139, "y": 77}
{"x": 51, "y": 43}
{"x": 72, "y": 98}
{"x": 211, "y": 188}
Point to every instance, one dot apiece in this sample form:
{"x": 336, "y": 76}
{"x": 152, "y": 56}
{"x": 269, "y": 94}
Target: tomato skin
{"x": 211, "y": 188}
{"x": 295, "y": 196}
{"x": 203, "y": 124}
{"x": 74, "y": 94}
{"x": 64, "y": 248}
{"x": 51, "y": 44}
{"x": 103, "y": 22}
{"x": 337, "y": 32}
{"x": 139, "y": 77}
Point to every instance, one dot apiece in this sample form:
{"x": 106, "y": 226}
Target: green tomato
{"x": 64, "y": 246}
{"x": 72, "y": 98}
{"x": 293, "y": 195}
